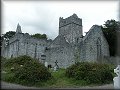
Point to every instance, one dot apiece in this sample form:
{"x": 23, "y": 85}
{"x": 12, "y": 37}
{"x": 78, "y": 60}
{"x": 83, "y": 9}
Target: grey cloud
{"x": 44, "y": 18}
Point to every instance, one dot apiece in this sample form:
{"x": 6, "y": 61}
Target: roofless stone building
{"x": 68, "y": 47}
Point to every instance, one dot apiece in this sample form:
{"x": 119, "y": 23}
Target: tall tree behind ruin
{"x": 110, "y": 30}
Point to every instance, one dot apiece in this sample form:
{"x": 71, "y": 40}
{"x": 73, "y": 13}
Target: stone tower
{"x": 18, "y": 30}
{"x": 71, "y": 28}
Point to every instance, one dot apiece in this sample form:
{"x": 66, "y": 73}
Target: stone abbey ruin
{"x": 69, "y": 47}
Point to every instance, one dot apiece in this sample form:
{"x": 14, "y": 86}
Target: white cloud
{"x": 43, "y": 16}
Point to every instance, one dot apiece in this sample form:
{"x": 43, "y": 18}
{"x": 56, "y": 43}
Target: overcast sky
{"x": 43, "y": 16}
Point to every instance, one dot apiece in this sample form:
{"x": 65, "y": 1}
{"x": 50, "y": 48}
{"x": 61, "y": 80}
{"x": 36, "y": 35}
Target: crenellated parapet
{"x": 69, "y": 20}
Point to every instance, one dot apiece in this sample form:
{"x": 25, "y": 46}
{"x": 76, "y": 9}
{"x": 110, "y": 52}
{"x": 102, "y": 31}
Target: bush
{"x": 91, "y": 72}
{"x": 3, "y": 60}
{"x": 18, "y": 61}
{"x": 13, "y": 64}
{"x": 26, "y": 68}
{"x": 33, "y": 71}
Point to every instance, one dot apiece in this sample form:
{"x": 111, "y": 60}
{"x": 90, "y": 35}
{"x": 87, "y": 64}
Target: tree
{"x": 110, "y": 29}
{"x": 7, "y": 36}
{"x": 39, "y": 36}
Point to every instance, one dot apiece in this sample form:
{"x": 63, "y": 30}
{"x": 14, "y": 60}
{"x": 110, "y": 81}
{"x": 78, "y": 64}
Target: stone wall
{"x": 61, "y": 51}
{"x": 89, "y": 47}
{"x": 23, "y": 44}
{"x": 72, "y": 19}
{"x": 71, "y": 28}
{"x": 67, "y": 48}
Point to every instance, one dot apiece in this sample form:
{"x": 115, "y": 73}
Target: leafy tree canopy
{"x": 8, "y": 35}
{"x": 39, "y": 36}
{"x": 110, "y": 29}
{"x": 112, "y": 25}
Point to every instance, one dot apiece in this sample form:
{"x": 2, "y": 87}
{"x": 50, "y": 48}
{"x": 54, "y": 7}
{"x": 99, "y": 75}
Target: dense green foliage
{"x": 77, "y": 75}
{"x": 40, "y": 36}
{"x": 91, "y": 72}
{"x": 24, "y": 68}
{"x": 110, "y": 29}
{"x": 33, "y": 71}
{"x": 17, "y": 61}
{"x": 6, "y": 36}
{"x": 3, "y": 60}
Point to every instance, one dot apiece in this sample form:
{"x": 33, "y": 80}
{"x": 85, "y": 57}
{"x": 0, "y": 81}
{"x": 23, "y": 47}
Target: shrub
{"x": 26, "y": 68}
{"x": 33, "y": 71}
{"x": 13, "y": 64}
{"x": 91, "y": 72}
{"x": 3, "y": 60}
{"x": 18, "y": 60}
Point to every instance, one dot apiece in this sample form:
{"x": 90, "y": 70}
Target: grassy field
{"x": 58, "y": 80}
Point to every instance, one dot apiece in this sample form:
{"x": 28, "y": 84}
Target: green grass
{"x": 58, "y": 80}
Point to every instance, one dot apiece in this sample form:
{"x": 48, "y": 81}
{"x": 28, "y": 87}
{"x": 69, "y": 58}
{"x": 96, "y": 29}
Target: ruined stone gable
{"x": 94, "y": 45}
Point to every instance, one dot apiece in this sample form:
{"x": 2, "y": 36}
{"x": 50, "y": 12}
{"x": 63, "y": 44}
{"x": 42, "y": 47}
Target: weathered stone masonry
{"x": 68, "y": 47}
